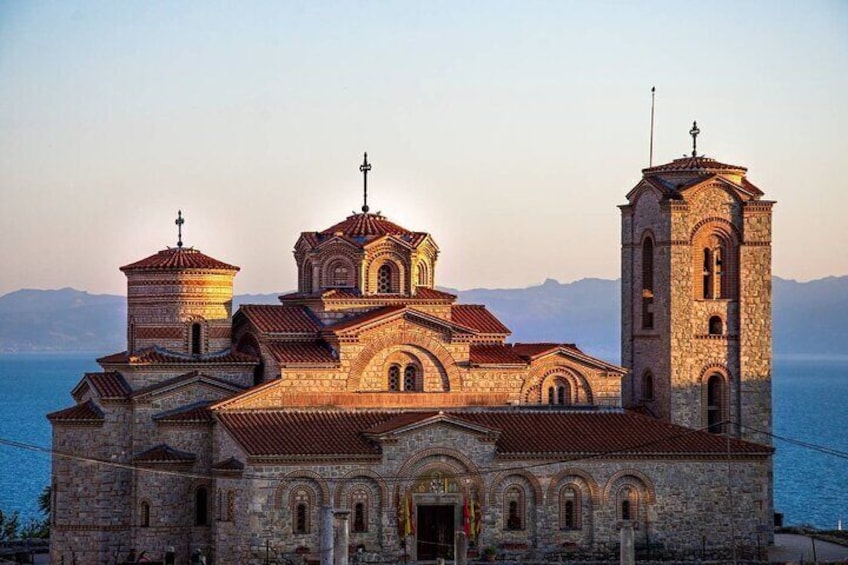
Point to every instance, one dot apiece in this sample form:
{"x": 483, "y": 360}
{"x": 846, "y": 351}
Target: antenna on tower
{"x": 651, "y": 150}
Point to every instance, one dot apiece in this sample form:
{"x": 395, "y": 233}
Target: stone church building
{"x": 371, "y": 403}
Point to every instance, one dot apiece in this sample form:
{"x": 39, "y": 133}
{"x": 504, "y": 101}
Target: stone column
{"x": 460, "y": 548}
{"x": 342, "y": 537}
{"x": 628, "y": 550}
{"x": 327, "y": 535}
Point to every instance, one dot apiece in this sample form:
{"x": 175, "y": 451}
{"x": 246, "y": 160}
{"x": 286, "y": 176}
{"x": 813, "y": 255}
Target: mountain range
{"x": 810, "y": 318}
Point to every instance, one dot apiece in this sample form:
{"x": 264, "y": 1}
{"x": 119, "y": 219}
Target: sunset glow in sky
{"x": 508, "y": 130}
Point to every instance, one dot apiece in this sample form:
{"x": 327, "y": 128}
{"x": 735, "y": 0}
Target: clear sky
{"x": 508, "y": 130}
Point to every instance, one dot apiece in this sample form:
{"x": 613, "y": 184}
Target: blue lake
{"x": 810, "y": 397}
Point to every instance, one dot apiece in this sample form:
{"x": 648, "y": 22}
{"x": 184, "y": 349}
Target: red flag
{"x": 466, "y": 518}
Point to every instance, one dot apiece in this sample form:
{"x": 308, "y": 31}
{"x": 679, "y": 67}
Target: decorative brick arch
{"x": 716, "y": 223}
{"x": 557, "y": 482}
{"x": 380, "y": 257}
{"x": 349, "y": 478}
{"x": 455, "y": 460}
{"x": 643, "y": 190}
{"x": 640, "y": 479}
{"x": 575, "y": 378}
{"x": 430, "y": 345}
{"x": 331, "y": 261}
{"x": 722, "y": 371}
{"x": 288, "y": 480}
{"x": 497, "y": 485}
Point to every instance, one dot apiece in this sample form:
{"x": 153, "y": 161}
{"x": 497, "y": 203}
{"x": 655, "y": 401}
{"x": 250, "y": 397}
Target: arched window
{"x": 300, "y": 511}
{"x": 340, "y": 275}
{"x": 422, "y": 274}
{"x": 716, "y": 326}
{"x": 385, "y": 284}
{"x": 647, "y": 283}
{"x": 559, "y": 391}
{"x": 201, "y": 506}
{"x": 394, "y": 378}
{"x": 716, "y": 274}
{"x": 145, "y": 515}
{"x": 715, "y": 403}
{"x": 570, "y": 510}
{"x": 561, "y": 394}
{"x": 514, "y": 508}
{"x": 196, "y": 334}
{"x": 410, "y": 378}
{"x": 359, "y": 498}
{"x": 647, "y": 386}
{"x": 306, "y": 277}
{"x": 628, "y": 503}
{"x": 231, "y": 505}
{"x": 551, "y": 395}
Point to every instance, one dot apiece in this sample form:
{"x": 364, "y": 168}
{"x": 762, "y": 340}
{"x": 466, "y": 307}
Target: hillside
{"x": 810, "y": 318}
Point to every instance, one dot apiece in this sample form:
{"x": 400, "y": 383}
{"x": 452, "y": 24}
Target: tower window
{"x": 145, "y": 515}
{"x": 196, "y": 334}
{"x": 715, "y": 404}
{"x": 341, "y": 276}
{"x": 410, "y": 378}
{"x": 422, "y": 274}
{"x": 647, "y": 283}
{"x": 647, "y": 386}
{"x": 201, "y": 506}
{"x": 716, "y": 326}
{"x": 559, "y": 392}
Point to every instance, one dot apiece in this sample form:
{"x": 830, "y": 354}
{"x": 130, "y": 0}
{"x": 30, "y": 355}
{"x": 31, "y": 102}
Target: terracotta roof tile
{"x": 494, "y": 355}
{"x": 280, "y": 433}
{"x": 159, "y": 356}
{"x": 694, "y": 164}
{"x": 478, "y": 318}
{"x": 164, "y": 453}
{"x": 85, "y": 413}
{"x": 365, "y": 317}
{"x": 110, "y": 384}
{"x": 278, "y": 318}
{"x": 366, "y": 225}
{"x": 567, "y": 433}
{"x": 177, "y": 258}
{"x": 179, "y": 380}
{"x": 301, "y": 352}
{"x": 433, "y": 294}
{"x": 232, "y": 464}
{"x": 197, "y": 413}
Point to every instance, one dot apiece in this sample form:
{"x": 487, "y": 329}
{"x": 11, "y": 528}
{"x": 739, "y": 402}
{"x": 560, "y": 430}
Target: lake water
{"x": 810, "y": 397}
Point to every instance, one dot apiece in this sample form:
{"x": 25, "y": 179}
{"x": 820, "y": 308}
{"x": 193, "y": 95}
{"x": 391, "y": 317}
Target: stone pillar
{"x": 327, "y": 535}
{"x": 628, "y": 551}
{"x": 460, "y": 548}
{"x": 342, "y": 537}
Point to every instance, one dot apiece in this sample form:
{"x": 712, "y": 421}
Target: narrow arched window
{"x": 716, "y": 326}
{"x": 301, "y": 512}
{"x": 628, "y": 503}
{"x": 196, "y": 334}
{"x": 410, "y": 378}
{"x": 708, "y": 273}
{"x": 514, "y": 499}
{"x": 715, "y": 404}
{"x": 647, "y": 386}
{"x": 570, "y": 508}
{"x": 561, "y": 394}
{"x": 300, "y": 519}
{"x": 647, "y": 283}
{"x": 145, "y": 515}
{"x": 384, "y": 280}
{"x": 394, "y": 378}
{"x": 551, "y": 395}
{"x": 201, "y": 506}
{"x": 231, "y": 505}
{"x": 359, "y": 518}
{"x": 422, "y": 274}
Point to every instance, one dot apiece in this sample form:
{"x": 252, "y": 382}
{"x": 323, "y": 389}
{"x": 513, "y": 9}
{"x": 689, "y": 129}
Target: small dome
{"x": 366, "y": 225}
{"x": 699, "y": 164}
{"x": 178, "y": 258}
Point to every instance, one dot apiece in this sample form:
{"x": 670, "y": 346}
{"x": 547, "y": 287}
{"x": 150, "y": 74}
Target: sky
{"x": 510, "y": 131}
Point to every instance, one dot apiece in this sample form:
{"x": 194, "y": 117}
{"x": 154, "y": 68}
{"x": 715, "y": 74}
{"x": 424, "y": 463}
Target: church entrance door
{"x": 435, "y": 531}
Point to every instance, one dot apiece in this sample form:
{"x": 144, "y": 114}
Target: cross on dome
{"x": 364, "y": 168}
{"x": 694, "y": 133}
{"x": 179, "y": 221}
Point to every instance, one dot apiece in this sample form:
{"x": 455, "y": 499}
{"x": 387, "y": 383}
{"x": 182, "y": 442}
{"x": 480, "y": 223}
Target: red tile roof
{"x": 231, "y": 464}
{"x": 110, "y": 384}
{"x": 566, "y": 434}
{"x": 279, "y": 433}
{"x": 85, "y": 413}
{"x": 177, "y": 258}
{"x": 301, "y": 352}
{"x": 164, "y": 453}
{"x": 182, "y": 380}
{"x": 494, "y": 355}
{"x": 478, "y": 318}
{"x": 366, "y": 225}
{"x": 530, "y": 350}
{"x": 274, "y": 318}
{"x": 694, "y": 164}
{"x": 158, "y": 356}
{"x": 365, "y": 317}
{"x": 433, "y": 294}
{"x": 197, "y": 413}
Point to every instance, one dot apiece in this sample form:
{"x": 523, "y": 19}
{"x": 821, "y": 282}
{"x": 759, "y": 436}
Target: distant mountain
{"x": 810, "y": 318}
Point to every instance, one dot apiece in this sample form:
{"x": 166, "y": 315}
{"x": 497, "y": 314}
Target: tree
{"x": 9, "y": 524}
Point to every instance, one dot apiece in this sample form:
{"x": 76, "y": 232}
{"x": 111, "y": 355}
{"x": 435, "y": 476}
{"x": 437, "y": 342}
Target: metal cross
{"x": 694, "y": 133}
{"x": 179, "y": 221}
{"x": 364, "y": 168}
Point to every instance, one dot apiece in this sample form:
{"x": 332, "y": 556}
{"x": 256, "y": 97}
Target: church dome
{"x": 365, "y": 227}
{"x": 699, "y": 164}
{"x": 178, "y": 258}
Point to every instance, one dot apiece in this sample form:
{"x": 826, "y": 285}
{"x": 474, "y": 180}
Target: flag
{"x": 466, "y": 518}
{"x": 408, "y": 526}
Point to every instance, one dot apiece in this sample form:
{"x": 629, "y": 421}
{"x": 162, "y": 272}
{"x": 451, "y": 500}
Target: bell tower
{"x": 696, "y": 297}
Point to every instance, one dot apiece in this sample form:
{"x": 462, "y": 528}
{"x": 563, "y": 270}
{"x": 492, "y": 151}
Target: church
{"x": 371, "y": 414}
